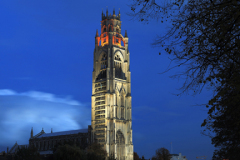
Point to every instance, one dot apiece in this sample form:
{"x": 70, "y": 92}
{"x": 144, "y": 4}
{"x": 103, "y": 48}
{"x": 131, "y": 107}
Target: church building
{"x": 111, "y": 101}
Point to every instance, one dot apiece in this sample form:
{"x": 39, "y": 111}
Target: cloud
{"x": 41, "y": 96}
{"x": 21, "y": 111}
{"x": 7, "y": 92}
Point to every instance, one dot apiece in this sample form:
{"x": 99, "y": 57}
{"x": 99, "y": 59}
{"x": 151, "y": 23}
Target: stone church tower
{"x": 111, "y": 90}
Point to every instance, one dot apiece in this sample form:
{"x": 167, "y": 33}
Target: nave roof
{"x": 63, "y": 133}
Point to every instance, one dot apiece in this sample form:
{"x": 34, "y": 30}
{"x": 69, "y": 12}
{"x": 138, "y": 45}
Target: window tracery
{"x": 118, "y": 67}
{"x": 120, "y": 140}
{"x": 103, "y": 66}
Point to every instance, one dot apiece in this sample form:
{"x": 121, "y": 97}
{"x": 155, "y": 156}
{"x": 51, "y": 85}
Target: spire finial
{"x": 32, "y": 132}
{"x": 97, "y": 33}
{"x": 51, "y": 130}
{"x": 113, "y": 10}
{"x": 102, "y": 14}
{"x": 125, "y": 33}
{"x": 107, "y": 11}
{"x": 119, "y": 13}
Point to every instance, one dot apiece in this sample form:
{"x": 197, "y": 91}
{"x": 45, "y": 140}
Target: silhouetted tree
{"x": 27, "y": 154}
{"x": 95, "y": 151}
{"x": 111, "y": 158}
{"x": 162, "y": 154}
{"x": 135, "y": 156}
{"x": 154, "y": 158}
{"x": 204, "y": 38}
{"x": 71, "y": 143}
{"x": 66, "y": 152}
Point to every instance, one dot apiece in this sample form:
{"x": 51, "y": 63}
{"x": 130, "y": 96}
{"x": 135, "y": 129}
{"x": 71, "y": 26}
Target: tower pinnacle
{"x": 96, "y": 33}
{"x": 107, "y": 12}
{"x": 125, "y": 33}
{"x": 32, "y": 132}
{"x": 113, "y": 11}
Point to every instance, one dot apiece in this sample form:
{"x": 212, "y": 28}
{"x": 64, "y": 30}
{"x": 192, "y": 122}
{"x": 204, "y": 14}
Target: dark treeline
{"x": 65, "y": 151}
{"x": 161, "y": 154}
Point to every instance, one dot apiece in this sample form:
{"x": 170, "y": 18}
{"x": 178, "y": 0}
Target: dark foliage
{"x": 70, "y": 150}
{"x": 135, "y": 156}
{"x": 111, "y": 158}
{"x": 27, "y": 154}
{"x": 162, "y": 154}
{"x": 95, "y": 151}
{"x": 205, "y": 39}
{"x": 66, "y": 152}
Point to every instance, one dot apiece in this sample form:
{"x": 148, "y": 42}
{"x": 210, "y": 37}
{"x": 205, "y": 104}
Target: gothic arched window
{"x": 103, "y": 66}
{"x": 120, "y": 140}
{"x": 118, "y": 67}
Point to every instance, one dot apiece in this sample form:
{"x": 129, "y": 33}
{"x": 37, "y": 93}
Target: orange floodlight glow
{"x": 117, "y": 41}
{"x": 103, "y": 39}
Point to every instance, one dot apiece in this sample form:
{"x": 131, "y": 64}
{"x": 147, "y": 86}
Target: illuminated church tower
{"x": 111, "y": 90}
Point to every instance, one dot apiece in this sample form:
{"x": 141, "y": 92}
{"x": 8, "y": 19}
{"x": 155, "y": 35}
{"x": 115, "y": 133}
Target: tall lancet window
{"x": 122, "y": 113}
{"x": 116, "y": 112}
{"x": 118, "y": 67}
{"x": 103, "y": 67}
{"x": 122, "y": 100}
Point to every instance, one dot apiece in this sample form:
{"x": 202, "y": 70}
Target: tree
{"x": 204, "y": 38}
{"x": 111, "y": 158}
{"x": 154, "y": 158}
{"x": 135, "y": 156}
{"x": 162, "y": 154}
{"x": 65, "y": 152}
{"x": 95, "y": 151}
{"x": 27, "y": 154}
{"x": 225, "y": 121}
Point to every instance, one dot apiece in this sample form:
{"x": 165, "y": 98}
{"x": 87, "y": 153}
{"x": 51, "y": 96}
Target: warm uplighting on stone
{"x": 111, "y": 90}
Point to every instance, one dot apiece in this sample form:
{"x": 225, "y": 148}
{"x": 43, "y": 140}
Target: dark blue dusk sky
{"x": 46, "y": 63}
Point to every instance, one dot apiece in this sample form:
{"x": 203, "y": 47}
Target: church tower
{"x": 111, "y": 90}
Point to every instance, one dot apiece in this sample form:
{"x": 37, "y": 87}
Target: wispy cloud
{"x": 40, "y": 96}
{"x": 21, "y": 111}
